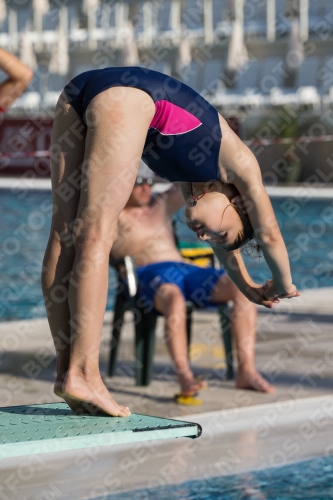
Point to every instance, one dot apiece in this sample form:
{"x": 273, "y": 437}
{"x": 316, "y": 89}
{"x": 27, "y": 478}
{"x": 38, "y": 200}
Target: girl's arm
{"x": 19, "y": 77}
{"x": 234, "y": 265}
{"x": 241, "y": 168}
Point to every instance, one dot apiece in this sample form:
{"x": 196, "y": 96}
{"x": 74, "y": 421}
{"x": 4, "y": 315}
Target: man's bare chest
{"x": 143, "y": 225}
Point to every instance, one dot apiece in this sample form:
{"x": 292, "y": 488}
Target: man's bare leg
{"x": 170, "y": 302}
{"x": 243, "y": 329}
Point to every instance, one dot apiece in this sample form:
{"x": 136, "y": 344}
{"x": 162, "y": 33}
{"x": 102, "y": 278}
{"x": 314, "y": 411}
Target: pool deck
{"x": 294, "y": 351}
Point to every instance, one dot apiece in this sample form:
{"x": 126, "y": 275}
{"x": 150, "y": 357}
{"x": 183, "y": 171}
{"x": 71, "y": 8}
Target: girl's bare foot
{"x": 58, "y": 391}
{"x": 57, "y": 388}
{"x": 89, "y": 395}
{"x": 254, "y": 381}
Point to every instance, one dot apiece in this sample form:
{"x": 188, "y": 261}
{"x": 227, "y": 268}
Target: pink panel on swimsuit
{"x": 170, "y": 119}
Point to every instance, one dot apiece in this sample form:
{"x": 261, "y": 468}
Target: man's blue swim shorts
{"x": 196, "y": 283}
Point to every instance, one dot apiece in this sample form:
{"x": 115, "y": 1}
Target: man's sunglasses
{"x": 141, "y": 180}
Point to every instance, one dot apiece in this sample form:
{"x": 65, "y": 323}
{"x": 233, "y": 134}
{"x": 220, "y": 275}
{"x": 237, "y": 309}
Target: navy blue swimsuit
{"x": 184, "y": 137}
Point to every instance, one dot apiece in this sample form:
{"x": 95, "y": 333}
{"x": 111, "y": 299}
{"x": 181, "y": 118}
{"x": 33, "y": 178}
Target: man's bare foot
{"x": 189, "y": 386}
{"x": 89, "y": 395}
{"x": 255, "y": 382}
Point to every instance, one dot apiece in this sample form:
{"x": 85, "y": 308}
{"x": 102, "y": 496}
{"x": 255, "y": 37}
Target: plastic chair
{"x": 145, "y": 321}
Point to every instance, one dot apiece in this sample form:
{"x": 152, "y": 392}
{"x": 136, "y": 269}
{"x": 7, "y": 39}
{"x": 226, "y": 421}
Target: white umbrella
{"x": 3, "y": 10}
{"x": 130, "y": 55}
{"x": 237, "y": 52}
{"x": 295, "y": 54}
{"x": 27, "y": 53}
{"x": 40, "y": 7}
{"x": 59, "y": 62}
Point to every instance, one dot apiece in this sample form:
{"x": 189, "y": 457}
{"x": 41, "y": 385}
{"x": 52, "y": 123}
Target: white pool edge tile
{"x": 279, "y": 413}
{"x": 296, "y": 192}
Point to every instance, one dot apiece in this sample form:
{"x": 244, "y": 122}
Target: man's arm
{"x": 19, "y": 77}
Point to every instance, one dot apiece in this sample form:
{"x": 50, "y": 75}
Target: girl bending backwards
{"x": 106, "y": 120}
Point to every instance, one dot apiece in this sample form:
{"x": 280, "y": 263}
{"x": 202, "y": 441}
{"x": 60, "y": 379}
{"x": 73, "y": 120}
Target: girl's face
{"x": 213, "y": 220}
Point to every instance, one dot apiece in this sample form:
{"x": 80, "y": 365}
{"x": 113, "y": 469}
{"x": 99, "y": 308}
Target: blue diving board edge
{"x": 53, "y": 427}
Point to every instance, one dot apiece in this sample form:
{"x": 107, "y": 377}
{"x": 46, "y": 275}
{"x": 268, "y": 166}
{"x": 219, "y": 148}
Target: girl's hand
{"x": 271, "y": 293}
{"x": 256, "y": 294}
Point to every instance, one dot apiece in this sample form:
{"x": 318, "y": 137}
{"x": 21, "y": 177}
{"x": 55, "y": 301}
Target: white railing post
{"x": 208, "y": 22}
{"x": 91, "y": 25}
{"x": 304, "y": 19}
{"x": 175, "y": 20}
{"x": 239, "y": 13}
{"x": 12, "y": 29}
{"x": 121, "y": 18}
{"x": 63, "y": 20}
{"x": 148, "y": 22}
{"x": 270, "y": 20}
{"x": 38, "y": 27}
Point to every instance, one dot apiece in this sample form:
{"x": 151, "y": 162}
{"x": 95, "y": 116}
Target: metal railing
{"x": 157, "y": 21}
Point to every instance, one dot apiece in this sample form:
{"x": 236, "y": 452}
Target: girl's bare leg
{"x": 243, "y": 329}
{"x": 67, "y": 151}
{"x": 118, "y": 122}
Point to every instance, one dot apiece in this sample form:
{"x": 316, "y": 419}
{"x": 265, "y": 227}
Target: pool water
{"x": 312, "y": 479}
{"x": 307, "y": 228}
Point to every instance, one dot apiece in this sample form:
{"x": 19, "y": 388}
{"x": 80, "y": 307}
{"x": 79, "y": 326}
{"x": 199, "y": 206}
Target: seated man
{"x": 145, "y": 233}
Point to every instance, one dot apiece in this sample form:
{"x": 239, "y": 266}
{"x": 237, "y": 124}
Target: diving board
{"x": 49, "y": 428}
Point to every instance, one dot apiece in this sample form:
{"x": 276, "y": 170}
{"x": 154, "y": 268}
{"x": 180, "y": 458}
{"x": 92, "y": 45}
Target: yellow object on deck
{"x": 181, "y": 399}
{"x": 200, "y": 256}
